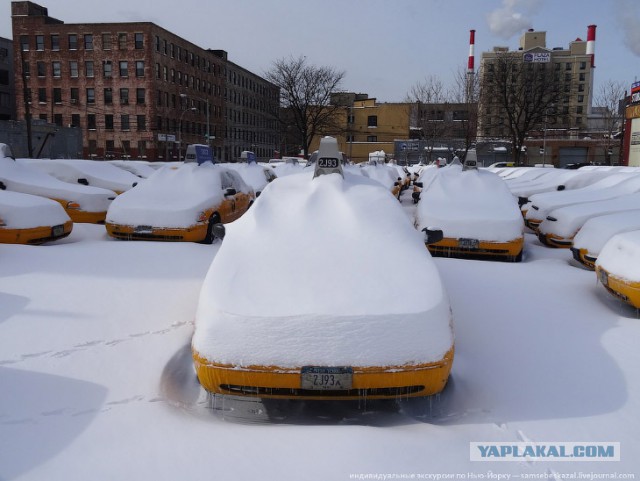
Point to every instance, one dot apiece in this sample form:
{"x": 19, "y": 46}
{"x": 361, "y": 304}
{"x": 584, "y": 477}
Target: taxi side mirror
{"x": 431, "y": 235}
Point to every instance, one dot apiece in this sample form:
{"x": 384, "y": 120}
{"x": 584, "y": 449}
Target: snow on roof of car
{"x": 98, "y": 173}
{"x": 382, "y": 173}
{"x": 24, "y": 211}
{"x": 171, "y": 197}
{"x": 595, "y": 233}
{"x": 621, "y": 256}
{"x": 474, "y": 204}
{"x": 21, "y": 177}
{"x": 253, "y": 174}
{"x": 316, "y": 272}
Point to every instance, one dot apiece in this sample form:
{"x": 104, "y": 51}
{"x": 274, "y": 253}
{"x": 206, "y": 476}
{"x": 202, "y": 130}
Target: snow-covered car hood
{"x": 20, "y": 177}
{"x": 471, "y": 204}
{"x": 171, "y": 197}
{"x": 25, "y": 211}
{"x": 313, "y": 273}
{"x": 621, "y": 256}
{"x": 253, "y": 174}
{"x": 595, "y": 233}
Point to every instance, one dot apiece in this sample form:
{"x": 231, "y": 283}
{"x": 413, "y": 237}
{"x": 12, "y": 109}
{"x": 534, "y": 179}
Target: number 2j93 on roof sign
{"x": 537, "y": 57}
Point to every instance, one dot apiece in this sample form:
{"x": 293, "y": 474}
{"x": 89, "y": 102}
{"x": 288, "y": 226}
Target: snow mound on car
{"x": 471, "y": 204}
{"x": 171, "y": 197}
{"x": 25, "y": 211}
{"x": 326, "y": 271}
{"x": 595, "y": 233}
{"x": 621, "y": 256}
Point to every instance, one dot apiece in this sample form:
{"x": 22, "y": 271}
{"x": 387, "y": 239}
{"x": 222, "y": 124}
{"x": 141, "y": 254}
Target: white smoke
{"x": 628, "y": 13}
{"x": 512, "y": 18}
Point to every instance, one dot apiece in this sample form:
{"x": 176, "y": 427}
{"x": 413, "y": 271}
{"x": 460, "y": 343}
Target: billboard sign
{"x": 537, "y": 57}
{"x": 635, "y": 93}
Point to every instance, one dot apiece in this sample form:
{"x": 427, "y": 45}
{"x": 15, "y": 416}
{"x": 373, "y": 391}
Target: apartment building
{"x": 571, "y": 77}
{"x": 7, "y": 84}
{"x": 135, "y": 89}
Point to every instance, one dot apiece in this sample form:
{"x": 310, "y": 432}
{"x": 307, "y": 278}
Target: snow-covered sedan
{"x": 562, "y": 224}
{"x": 87, "y": 172}
{"x": 81, "y": 202}
{"x": 30, "y": 219}
{"x": 304, "y": 299}
{"x": 255, "y": 175}
{"x": 180, "y": 204}
{"x": 596, "y": 232}
{"x": 618, "y": 267}
{"x": 476, "y": 212}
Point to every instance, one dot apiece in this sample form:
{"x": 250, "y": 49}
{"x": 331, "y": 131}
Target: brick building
{"x": 135, "y": 89}
{"x": 7, "y": 84}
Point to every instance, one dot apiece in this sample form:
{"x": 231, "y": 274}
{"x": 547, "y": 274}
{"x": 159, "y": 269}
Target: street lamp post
{"x": 192, "y": 109}
{"x": 185, "y": 96}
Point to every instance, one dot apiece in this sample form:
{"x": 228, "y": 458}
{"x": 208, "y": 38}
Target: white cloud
{"x": 628, "y": 15}
{"x": 512, "y": 18}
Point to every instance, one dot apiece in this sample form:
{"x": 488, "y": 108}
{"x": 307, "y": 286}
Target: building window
{"x": 580, "y": 87}
{"x": 141, "y": 121}
{"x": 91, "y": 121}
{"x": 172, "y": 50}
{"x": 88, "y": 68}
{"x": 93, "y": 148}
{"x": 579, "y": 109}
{"x": 91, "y": 95}
{"x": 107, "y": 69}
{"x": 73, "y": 41}
{"x": 580, "y": 98}
{"x": 24, "y": 43}
{"x": 165, "y": 74}
{"x": 108, "y": 96}
{"x": 73, "y": 69}
{"x": 109, "y": 147}
{"x": 88, "y": 42}
{"x": 582, "y": 77}
{"x": 26, "y": 69}
{"x": 164, "y": 47}
{"x": 159, "y": 122}
{"x": 108, "y": 122}
{"x": 42, "y": 95}
{"x": 578, "y": 120}
{"x": 158, "y": 71}
{"x": 106, "y": 41}
{"x": 41, "y": 68}
{"x": 139, "y": 68}
{"x": 139, "y": 41}
{"x": 372, "y": 121}
{"x": 57, "y": 119}
{"x": 124, "y": 96}
{"x": 159, "y": 103}
{"x": 157, "y": 43}
{"x": 583, "y": 65}
{"x": 57, "y": 95}
{"x": 39, "y": 42}
{"x": 124, "y": 68}
{"x": 122, "y": 41}
{"x": 140, "y": 94}
{"x": 372, "y": 138}
{"x": 75, "y": 120}
{"x": 43, "y": 117}
{"x": 75, "y": 95}
{"x": 142, "y": 148}
{"x": 124, "y": 122}
{"x": 126, "y": 149}
{"x": 55, "y": 42}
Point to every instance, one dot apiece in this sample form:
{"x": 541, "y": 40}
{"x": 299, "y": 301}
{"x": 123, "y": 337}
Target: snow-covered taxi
{"x": 618, "y": 267}
{"x": 180, "y": 204}
{"x": 30, "y": 219}
{"x": 304, "y": 299}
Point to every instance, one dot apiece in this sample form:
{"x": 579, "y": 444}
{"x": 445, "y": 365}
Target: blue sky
{"x": 385, "y": 46}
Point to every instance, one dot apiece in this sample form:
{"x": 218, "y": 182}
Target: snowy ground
{"x": 96, "y": 380}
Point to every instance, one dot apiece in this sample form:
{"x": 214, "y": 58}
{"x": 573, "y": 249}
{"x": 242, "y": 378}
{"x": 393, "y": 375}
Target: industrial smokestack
{"x": 591, "y": 43}
{"x": 472, "y": 46}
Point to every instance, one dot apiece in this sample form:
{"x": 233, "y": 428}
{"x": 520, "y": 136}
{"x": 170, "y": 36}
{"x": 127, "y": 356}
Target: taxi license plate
{"x": 320, "y": 378}
{"x": 143, "y": 229}
{"x": 468, "y": 243}
{"x": 57, "y": 230}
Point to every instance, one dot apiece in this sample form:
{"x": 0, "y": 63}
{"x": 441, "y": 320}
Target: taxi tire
{"x": 209, "y": 238}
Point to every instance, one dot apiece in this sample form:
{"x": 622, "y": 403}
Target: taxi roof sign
{"x": 329, "y": 159}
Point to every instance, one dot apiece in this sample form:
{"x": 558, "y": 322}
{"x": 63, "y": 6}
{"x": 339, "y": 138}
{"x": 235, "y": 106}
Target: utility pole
{"x": 27, "y": 104}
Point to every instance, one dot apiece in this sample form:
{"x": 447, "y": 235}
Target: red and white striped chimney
{"x": 591, "y": 43}
{"x": 472, "y": 46}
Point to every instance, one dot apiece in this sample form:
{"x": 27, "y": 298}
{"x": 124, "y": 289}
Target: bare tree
{"x": 608, "y": 97}
{"x": 305, "y": 93}
{"x": 518, "y": 97}
{"x": 429, "y": 114}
